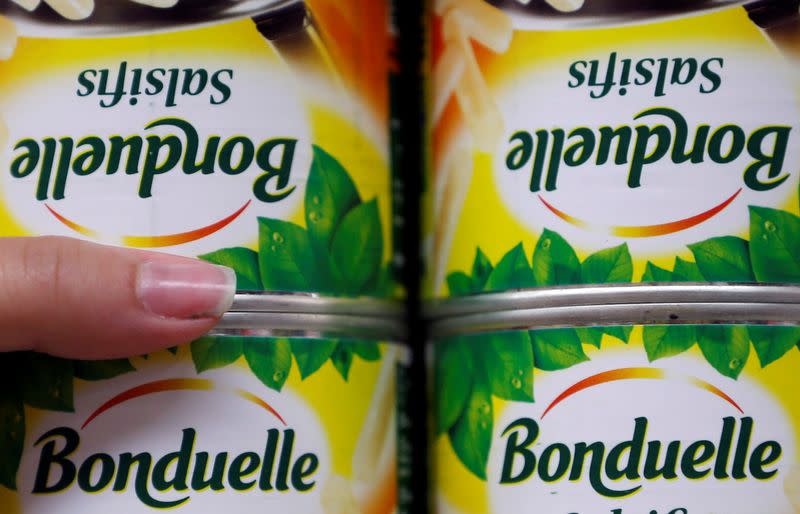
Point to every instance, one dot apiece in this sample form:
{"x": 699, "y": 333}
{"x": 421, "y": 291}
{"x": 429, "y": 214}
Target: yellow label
{"x": 603, "y": 146}
{"x": 674, "y": 419}
{"x": 235, "y": 423}
{"x": 197, "y": 130}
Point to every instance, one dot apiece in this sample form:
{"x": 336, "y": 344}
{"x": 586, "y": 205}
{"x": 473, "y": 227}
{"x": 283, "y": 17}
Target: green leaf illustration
{"x": 270, "y": 361}
{"x": 723, "y": 259}
{"x": 662, "y": 341}
{"x": 513, "y": 271}
{"x": 47, "y": 382}
{"x": 590, "y": 335}
{"x": 244, "y": 262}
{"x": 453, "y": 381}
{"x": 366, "y": 350}
{"x": 772, "y": 343}
{"x": 285, "y": 257}
{"x": 357, "y": 247}
{"x": 556, "y": 349}
{"x": 774, "y": 247}
{"x": 686, "y": 271}
{"x": 555, "y": 262}
{"x": 12, "y": 437}
{"x": 216, "y": 352}
{"x": 459, "y": 283}
{"x": 612, "y": 265}
{"x": 330, "y": 195}
{"x": 386, "y": 282}
{"x": 311, "y": 354}
{"x": 342, "y": 358}
{"x": 471, "y": 435}
{"x": 621, "y": 332}
{"x": 481, "y": 269}
{"x": 653, "y": 273}
{"x": 726, "y": 348}
{"x": 101, "y": 370}
{"x": 508, "y": 358}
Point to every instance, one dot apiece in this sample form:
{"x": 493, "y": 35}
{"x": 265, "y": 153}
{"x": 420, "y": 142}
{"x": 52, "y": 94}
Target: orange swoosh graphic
{"x": 177, "y": 384}
{"x": 644, "y": 230}
{"x": 639, "y": 374}
{"x": 153, "y": 241}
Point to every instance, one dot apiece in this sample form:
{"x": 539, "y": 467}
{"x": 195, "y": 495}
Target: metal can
{"x": 610, "y": 141}
{"x": 657, "y": 407}
{"x": 254, "y": 134}
{"x": 278, "y": 409}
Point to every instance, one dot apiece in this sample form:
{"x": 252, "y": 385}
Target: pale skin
{"x": 82, "y": 300}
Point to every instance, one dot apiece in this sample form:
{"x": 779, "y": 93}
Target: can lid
{"x": 750, "y": 313}
{"x": 273, "y": 314}
{"x": 602, "y": 295}
{"x": 310, "y": 325}
{"x": 314, "y": 303}
{"x": 130, "y": 18}
{"x": 539, "y": 16}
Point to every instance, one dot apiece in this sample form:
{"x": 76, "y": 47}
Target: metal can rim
{"x": 613, "y": 294}
{"x": 654, "y": 313}
{"x": 314, "y": 303}
{"x": 311, "y": 325}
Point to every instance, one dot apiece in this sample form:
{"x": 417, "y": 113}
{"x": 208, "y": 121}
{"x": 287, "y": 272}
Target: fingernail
{"x": 187, "y": 290}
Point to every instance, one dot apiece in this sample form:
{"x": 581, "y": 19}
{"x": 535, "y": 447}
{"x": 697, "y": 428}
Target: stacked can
{"x": 252, "y": 134}
{"x": 612, "y": 236}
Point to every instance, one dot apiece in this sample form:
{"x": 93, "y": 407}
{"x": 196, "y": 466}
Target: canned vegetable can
{"x": 259, "y": 416}
{"x": 660, "y": 408}
{"x": 254, "y": 134}
{"x": 611, "y": 141}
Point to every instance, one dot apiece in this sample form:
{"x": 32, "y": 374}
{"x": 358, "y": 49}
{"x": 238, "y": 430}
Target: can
{"x": 272, "y": 411}
{"x": 609, "y": 141}
{"x": 661, "y": 408}
{"x": 254, "y": 134}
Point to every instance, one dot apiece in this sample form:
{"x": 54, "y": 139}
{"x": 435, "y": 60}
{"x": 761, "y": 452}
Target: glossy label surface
{"x": 675, "y": 419}
{"x": 257, "y": 139}
{"x": 295, "y": 425}
{"x": 585, "y": 147}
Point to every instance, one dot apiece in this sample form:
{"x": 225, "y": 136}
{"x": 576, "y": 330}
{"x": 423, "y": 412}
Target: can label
{"x": 259, "y": 140}
{"x": 672, "y": 419}
{"x": 224, "y": 423}
{"x": 611, "y": 147}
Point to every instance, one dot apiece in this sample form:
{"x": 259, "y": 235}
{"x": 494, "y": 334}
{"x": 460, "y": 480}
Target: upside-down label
{"x": 193, "y": 132}
{"x": 657, "y": 419}
{"x": 610, "y": 146}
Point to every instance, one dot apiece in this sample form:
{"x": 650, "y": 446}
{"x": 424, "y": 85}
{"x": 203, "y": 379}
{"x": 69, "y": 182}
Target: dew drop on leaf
{"x": 273, "y": 248}
{"x": 484, "y": 425}
{"x": 277, "y": 376}
{"x": 315, "y": 200}
{"x": 546, "y": 244}
{"x": 516, "y": 383}
{"x": 485, "y": 408}
{"x": 520, "y": 372}
{"x": 770, "y": 226}
{"x": 734, "y": 363}
{"x": 277, "y": 237}
{"x": 314, "y": 216}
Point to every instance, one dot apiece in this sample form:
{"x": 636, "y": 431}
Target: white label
{"x": 681, "y": 402}
{"x": 245, "y": 103}
{"x": 230, "y": 417}
{"x": 745, "y": 97}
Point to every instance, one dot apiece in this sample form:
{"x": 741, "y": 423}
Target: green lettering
{"x": 280, "y": 172}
